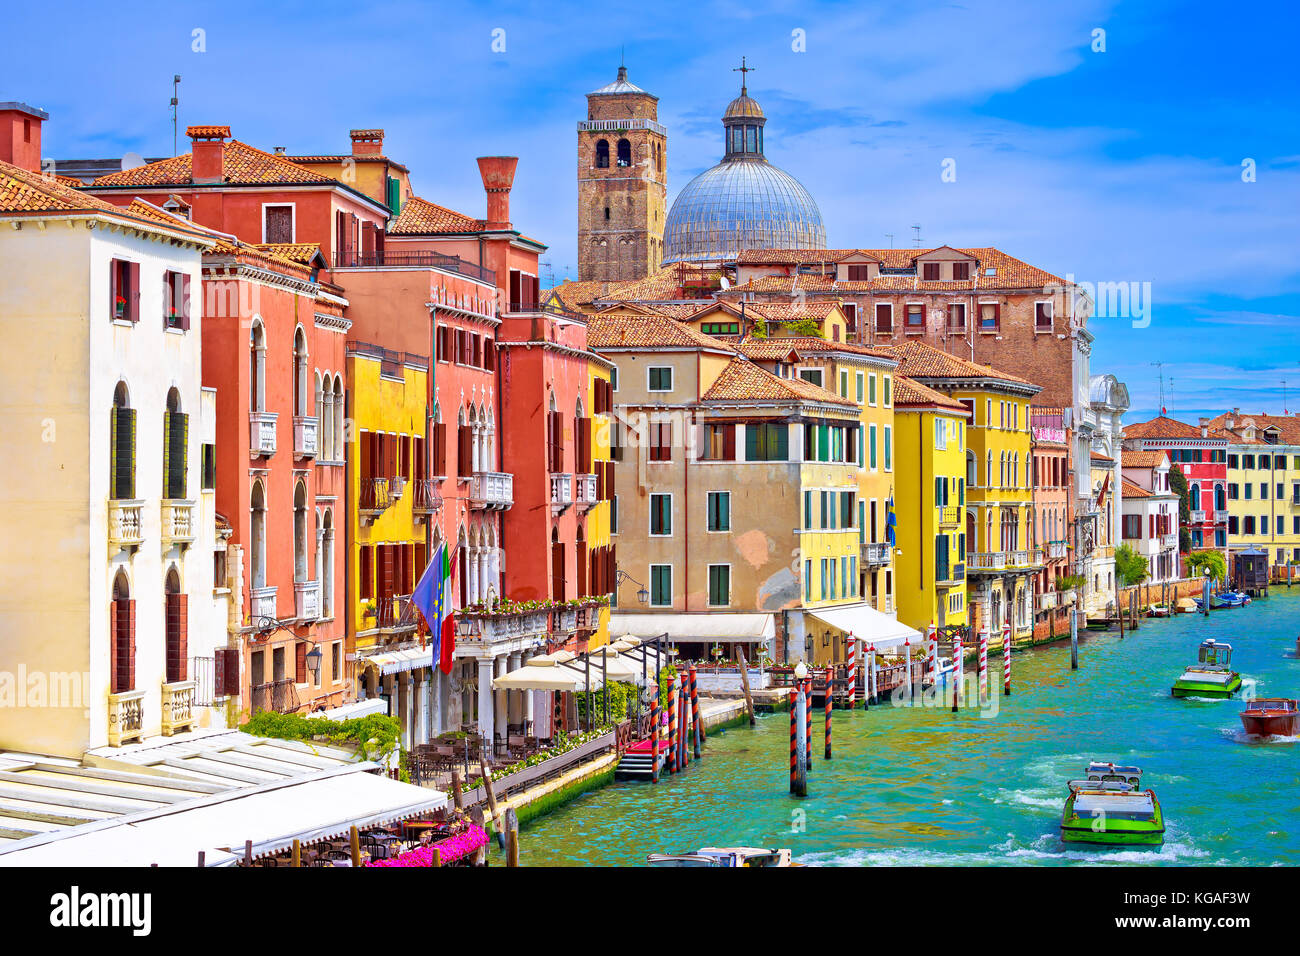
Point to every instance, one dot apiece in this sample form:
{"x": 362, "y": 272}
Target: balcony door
{"x": 122, "y": 651}
{"x": 177, "y": 641}
{"x": 277, "y": 664}
{"x": 558, "y": 589}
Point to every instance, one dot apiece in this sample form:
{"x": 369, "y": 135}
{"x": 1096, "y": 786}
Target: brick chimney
{"x": 367, "y": 142}
{"x": 498, "y": 174}
{"x": 208, "y": 149}
{"x": 20, "y": 135}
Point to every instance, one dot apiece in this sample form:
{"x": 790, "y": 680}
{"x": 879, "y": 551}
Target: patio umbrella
{"x": 545, "y": 673}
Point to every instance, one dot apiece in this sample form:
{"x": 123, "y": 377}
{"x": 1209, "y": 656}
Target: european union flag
{"x": 891, "y": 521}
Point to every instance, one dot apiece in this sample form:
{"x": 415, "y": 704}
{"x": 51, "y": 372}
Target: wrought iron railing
{"x": 379, "y": 258}
{"x": 278, "y": 696}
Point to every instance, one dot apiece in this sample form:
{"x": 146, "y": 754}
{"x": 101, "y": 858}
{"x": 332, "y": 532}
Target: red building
{"x": 1203, "y": 460}
{"x": 274, "y": 337}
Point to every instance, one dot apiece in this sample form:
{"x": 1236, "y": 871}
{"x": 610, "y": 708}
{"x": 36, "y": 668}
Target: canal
{"x": 924, "y": 786}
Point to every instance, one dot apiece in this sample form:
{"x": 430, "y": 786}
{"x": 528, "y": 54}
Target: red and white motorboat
{"x": 1271, "y": 717}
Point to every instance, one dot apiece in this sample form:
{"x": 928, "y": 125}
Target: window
{"x": 613, "y": 379}
{"x": 915, "y": 317}
{"x": 1043, "y": 316}
{"x": 602, "y": 154}
{"x": 888, "y": 449}
{"x": 209, "y": 466}
{"x": 720, "y": 328}
{"x": 930, "y": 271}
{"x": 121, "y": 482}
{"x": 961, "y": 270}
{"x": 719, "y": 508}
{"x": 859, "y": 273}
{"x": 176, "y": 301}
{"x": 661, "y": 379}
{"x": 858, "y": 391}
{"x": 124, "y": 290}
{"x": 661, "y": 515}
{"x": 661, "y": 441}
{"x": 661, "y": 585}
{"x": 176, "y": 435}
{"x": 888, "y": 390}
{"x": 884, "y": 317}
{"x": 719, "y": 585}
{"x": 871, "y": 446}
{"x": 613, "y": 514}
{"x": 957, "y": 311}
{"x": 719, "y": 443}
{"x": 811, "y": 375}
{"x": 871, "y": 389}
{"x": 990, "y": 316}
{"x": 941, "y": 433}
{"x": 844, "y": 384}
{"x": 624, "y": 153}
{"x": 277, "y": 223}
{"x": 767, "y": 442}
{"x": 807, "y": 580}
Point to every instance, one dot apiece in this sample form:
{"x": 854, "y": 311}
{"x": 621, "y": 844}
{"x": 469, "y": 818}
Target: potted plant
{"x": 119, "y": 307}
{"x": 368, "y": 611}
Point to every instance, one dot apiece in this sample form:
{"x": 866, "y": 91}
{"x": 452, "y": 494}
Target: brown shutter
{"x": 408, "y": 568}
{"x": 464, "y": 451}
{"x": 583, "y": 464}
{"x": 366, "y": 572}
{"x": 580, "y": 579}
{"x": 130, "y": 646}
{"x": 405, "y": 463}
{"x": 557, "y": 571}
{"x": 133, "y": 296}
{"x": 300, "y": 662}
{"x": 366, "y": 465}
{"x": 386, "y": 570}
{"x": 729, "y": 442}
{"x": 609, "y": 480}
{"x": 177, "y": 638}
{"x": 440, "y": 449}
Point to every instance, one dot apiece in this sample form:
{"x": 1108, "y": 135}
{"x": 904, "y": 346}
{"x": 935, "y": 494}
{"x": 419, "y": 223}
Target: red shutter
{"x": 133, "y": 297}
{"x": 177, "y": 637}
{"x": 557, "y": 572}
{"x": 186, "y": 305}
{"x": 366, "y": 464}
{"x": 583, "y": 464}
{"x": 581, "y": 577}
{"x": 300, "y": 662}
{"x": 130, "y": 656}
{"x": 365, "y": 573}
{"x": 729, "y": 442}
{"x": 465, "y": 451}
{"x": 386, "y": 570}
{"x": 440, "y": 449}
{"x": 115, "y": 626}
{"x": 113, "y": 269}
{"x": 609, "y": 480}
{"x": 405, "y": 464}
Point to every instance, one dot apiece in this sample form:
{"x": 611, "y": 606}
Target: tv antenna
{"x": 176, "y": 86}
{"x": 1284, "y": 411}
{"x": 890, "y": 237}
{"x": 1160, "y": 367}
{"x": 916, "y": 235}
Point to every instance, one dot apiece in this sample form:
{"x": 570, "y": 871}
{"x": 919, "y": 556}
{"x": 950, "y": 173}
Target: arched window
{"x": 177, "y": 629}
{"x": 624, "y": 153}
{"x": 602, "y": 154}
{"x": 557, "y": 567}
{"x": 121, "y": 482}
{"x": 257, "y": 559}
{"x": 581, "y": 588}
{"x": 324, "y": 420}
{"x": 122, "y": 651}
{"x": 338, "y": 418}
{"x": 257, "y": 367}
{"x": 325, "y": 569}
{"x": 972, "y": 471}
{"x": 300, "y": 533}
{"x": 300, "y": 372}
{"x": 176, "y": 441}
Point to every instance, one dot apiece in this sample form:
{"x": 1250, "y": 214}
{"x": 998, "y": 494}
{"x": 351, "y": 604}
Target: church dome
{"x": 744, "y": 202}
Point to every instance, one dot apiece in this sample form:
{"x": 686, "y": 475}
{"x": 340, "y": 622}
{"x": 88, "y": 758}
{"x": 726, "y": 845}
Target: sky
{"x": 1162, "y": 153}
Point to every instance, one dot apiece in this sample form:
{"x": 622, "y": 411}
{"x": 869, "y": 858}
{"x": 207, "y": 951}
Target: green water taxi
{"x": 1212, "y": 674}
{"x": 724, "y": 856}
{"x": 1107, "y": 809}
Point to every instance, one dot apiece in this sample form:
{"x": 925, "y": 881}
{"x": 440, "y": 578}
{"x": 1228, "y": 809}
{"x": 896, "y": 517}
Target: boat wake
{"x": 1046, "y": 848}
{"x": 1239, "y": 736}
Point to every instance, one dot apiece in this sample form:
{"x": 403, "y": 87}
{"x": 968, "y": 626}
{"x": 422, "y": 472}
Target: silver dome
{"x": 741, "y": 204}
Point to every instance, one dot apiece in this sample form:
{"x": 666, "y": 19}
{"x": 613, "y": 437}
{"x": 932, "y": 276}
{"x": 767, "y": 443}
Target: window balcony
{"x": 561, "y": 493}
{"x": 1220, "y": 516}
{"x": 1056, "y": 550}
{"x": 425, "y": 498}
{"x": 950, "y": 575}
{"x": 987, "y": 561}
{"x": 1168, "y": 542}
{"x": 278, "y": 696}
{"x": 1027, "y": 558}
{"x": 1196, "y": 517}
{"x": 1048, "y": 600}
{"x": 178, "y": 707}
{"x": 261, "y": 603}
{"x": 373, "y": 497}
{"x": 584, "y": 492}
{"x": 874, "y": 555}
{"x": 488, "y": 629}
{"x": 306, "y": 600}
{"x": 304, "y": 436}
{"x": 177, "y": 523}
{"x": 396, "y": 613}
{"x": 125, "y": 717}
{"x": 949, "y": 516}
{"x": 125, "y": 524}
{"x": 261, "y": 433}
{"x": 492, "y": 490}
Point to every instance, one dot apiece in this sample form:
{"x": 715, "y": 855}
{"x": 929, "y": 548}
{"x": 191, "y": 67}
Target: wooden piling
{"x": 1074, "y": 639}
{"x": 492, "y": 800}
{"x": 354, "y": 838}
{"x": 695, "y": 713}
{"x": 744, "y": 683}
{"x": 672, "y": 726}
{"x": 458, "y": 798}
{"x": 512, "y": 838}
{"x": 807, "y": 734}
{"x": 801, "y": 718}
{"x": 794, "y": 736}
{"x": 295, "y": 857}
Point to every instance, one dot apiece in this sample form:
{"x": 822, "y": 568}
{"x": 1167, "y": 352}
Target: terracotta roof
{"x": 777, "y": 348}
{"x": 1141, "y": 459}
{"x": 919, "y": 360}
{"x": 1010, "y": 272}
{"x": 661, "y": 286}
{"x": 1130, "y": 490}
{"x": 244, "y": 165}
{"x": 1288, "y": 427}
{"x": 910, "y": 393}
{"x": 306, "y": 253}
{"x": 225, "y": 245}
{"x": 1161, "y": 427}
{"x": 743, "y": 381}
{"x": 1098, "y": 456}
{"x": 419, "y": 217}
{"x": 646, "y": 332}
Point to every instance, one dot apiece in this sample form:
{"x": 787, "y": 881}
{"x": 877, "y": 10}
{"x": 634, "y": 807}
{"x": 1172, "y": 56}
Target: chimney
{"x": 20, "y": 135}
{"x": 278, "y": 150}
{"x": 498, "y": 174}
{"x": 367, "y": 142}
{"x": 208, "y": 153}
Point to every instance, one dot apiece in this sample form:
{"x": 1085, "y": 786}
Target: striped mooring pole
{"x": 907, "y": 668}
{"x": 873, "y": 688}
{"x": 830, "y": 674}
{"x": 956, "y": 673}
{"x": 807, "y": 720}
{"x": 984, "y": 667}
{"x": 672, "y": 726}
{"x": 1006, "y": 660}
{"x": 852, "y": 672}
{"x": 801, "y": 715}
{"x": 654, "y": 738}
{"x": 794, "y": 737}
{"x": 932, "y": 655}
{"x": 684, "y": 725}
{"x": 695, "y": 713}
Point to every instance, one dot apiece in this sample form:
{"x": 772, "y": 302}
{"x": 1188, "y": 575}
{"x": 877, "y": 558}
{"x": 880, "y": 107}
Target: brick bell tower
{"x": 622, "y": 183}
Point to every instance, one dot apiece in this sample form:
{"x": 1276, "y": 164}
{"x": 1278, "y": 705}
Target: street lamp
{"x": 800, "y": 670}
{"x": 313, "y": 662}
{"x": 642, "y": 595}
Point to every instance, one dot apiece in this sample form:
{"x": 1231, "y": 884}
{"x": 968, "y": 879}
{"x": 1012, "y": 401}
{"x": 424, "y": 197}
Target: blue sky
{"x": 1116, "y": 166}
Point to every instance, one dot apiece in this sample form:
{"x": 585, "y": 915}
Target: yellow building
{"x": 1263, "y": 485}
{"x": 390, "y": 497}
{"x": 929, "y": 506}
{"x": 367, "y": 170}
{"x": 595, "y": 493}
{"x": 996, "y": 484}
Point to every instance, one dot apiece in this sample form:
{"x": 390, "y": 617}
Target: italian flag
{"x": 432, "y": 595}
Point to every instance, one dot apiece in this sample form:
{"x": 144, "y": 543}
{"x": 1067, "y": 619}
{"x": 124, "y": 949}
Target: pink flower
{"x": 451, "y": 849}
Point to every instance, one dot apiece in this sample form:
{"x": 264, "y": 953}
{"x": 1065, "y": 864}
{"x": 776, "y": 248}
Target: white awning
{"x": 320, "y": 806}
{"x": 391, "y": 662}
{"x": 548, "y": 673}
{"x": 866, "y": 623}
{"x": 702, "y": 627}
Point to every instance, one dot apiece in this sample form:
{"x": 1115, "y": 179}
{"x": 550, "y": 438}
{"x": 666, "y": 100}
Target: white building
{"x": 107, "y": 537}
{"x": 1098, "y": 507}
{"x": 1150, "y": 506}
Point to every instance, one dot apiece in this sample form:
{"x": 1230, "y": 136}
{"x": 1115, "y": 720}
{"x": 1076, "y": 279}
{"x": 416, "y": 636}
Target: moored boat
{"x": 1212, "y": 674}
{"x": 1108, "y": 809}
{"x": 724, "y": 856}
{"x": 1271, "y": 717}
{"x": 1158, "y": 610}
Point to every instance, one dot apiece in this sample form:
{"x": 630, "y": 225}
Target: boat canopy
{"x": 1215, "y": 653}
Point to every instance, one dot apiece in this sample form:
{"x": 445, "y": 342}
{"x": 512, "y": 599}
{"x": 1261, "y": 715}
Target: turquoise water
{"x": 924, "y": 786}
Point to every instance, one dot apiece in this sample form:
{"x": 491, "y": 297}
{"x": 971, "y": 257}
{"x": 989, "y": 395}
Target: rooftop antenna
{"x": 1160, "y": 366}
{"x": 916, "y": 235}
{"x": 549, "y": 274}
{"x": 1284, "y": 403}
{"x": 176, "y": 86}
{"x": 890, "y": 237}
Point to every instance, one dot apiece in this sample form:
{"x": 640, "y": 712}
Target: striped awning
{"x": 393, "y": 662}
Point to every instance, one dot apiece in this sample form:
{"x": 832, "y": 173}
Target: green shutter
{"x": 176, "y": 451}
{"x": 823, "y": 443}
{"x": 123, "y": 471}
{"x": 751, "y": 442}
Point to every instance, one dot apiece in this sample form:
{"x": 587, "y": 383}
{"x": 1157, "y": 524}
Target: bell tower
{"x": 622, "y": 183}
